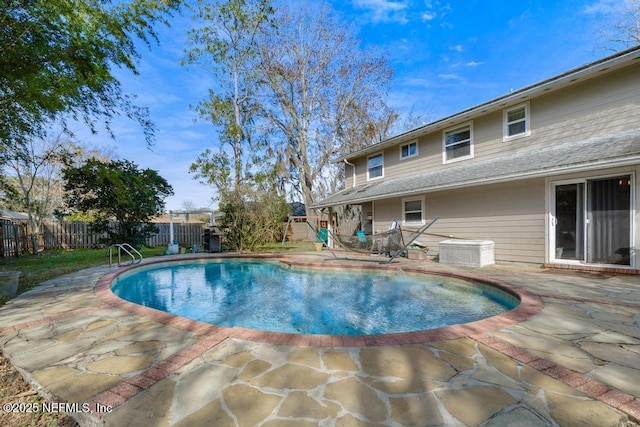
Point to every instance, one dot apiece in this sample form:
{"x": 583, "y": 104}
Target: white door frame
{"x": 551, "y": 222}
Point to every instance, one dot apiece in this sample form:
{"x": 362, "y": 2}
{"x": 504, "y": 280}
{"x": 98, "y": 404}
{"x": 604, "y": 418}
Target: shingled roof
{"x": 593, "y": 153}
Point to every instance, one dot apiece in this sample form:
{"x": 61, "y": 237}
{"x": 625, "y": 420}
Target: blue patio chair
{"x": 362, "y": 239}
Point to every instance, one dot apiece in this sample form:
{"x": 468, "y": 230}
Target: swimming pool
{"x": 270, "y": 296}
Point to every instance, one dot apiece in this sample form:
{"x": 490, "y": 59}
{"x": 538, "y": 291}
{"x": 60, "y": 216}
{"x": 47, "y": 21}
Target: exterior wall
{"x": 511, "y": 214}
{"x": 586, "y": 109}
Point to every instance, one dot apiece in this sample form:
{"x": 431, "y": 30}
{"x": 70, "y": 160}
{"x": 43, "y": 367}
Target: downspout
{"x": 354, "y": 171}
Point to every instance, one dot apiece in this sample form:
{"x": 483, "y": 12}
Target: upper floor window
{"x": 412, "y": 210}
{"x": 516, "y": 122}
{"x": 409, "y": 150}
{"x": 458, "y": 143}
{"x": 375, "y": 166}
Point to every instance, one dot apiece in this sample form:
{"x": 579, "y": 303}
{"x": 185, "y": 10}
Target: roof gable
{"x": 568, "y": 78}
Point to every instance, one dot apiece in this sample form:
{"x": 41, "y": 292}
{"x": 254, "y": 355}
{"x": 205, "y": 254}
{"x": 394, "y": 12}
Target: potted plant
{"x": 9, "y": 282}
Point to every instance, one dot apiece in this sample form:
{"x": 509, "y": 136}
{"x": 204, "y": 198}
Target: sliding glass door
{"x": 569, "y": 222}
{"x": 609, "y": 216}
{"x": 591, "y": 221}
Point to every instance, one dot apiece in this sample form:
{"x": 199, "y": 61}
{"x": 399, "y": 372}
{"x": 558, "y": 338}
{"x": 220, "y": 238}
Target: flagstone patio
{"x": 572, "y": 360}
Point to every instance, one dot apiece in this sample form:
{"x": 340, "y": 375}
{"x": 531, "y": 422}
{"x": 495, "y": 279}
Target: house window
{"x": 516, "y": 122}
{"x": 409, "y": 150}
{"x": 412, "y": 211}
{"x": 458, "y": 143}
{"x": 375, "y": 166}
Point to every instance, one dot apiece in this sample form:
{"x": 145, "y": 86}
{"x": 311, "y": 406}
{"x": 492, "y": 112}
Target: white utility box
{"x": 478, "y": 253}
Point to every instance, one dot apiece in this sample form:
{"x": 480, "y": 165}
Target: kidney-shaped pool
{"x": 272, "y": 296}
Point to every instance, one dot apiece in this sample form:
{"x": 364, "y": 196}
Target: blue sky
{"x": 447, "y": 56}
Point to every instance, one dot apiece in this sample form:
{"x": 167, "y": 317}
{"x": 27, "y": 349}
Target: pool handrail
{"x": 123, "y": 247}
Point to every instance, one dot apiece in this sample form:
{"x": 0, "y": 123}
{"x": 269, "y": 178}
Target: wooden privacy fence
{"x": 185, "y": 234}
{"x": 76, "y": 235}
{"x": 14, "y": 238}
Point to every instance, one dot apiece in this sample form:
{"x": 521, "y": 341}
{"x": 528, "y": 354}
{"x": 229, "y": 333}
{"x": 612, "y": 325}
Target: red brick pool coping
{"x": 530, "y": 304}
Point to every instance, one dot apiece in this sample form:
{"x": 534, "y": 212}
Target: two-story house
{"x": 549, "y": 172}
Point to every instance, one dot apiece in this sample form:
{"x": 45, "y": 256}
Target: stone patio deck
{"x": 574, "y": 360}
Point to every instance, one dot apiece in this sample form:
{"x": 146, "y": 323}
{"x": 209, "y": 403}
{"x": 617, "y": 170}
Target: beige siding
{"x": 511, "y": 215}
{"x": 595, "y": 107}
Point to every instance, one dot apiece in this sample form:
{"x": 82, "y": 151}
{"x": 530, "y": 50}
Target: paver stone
{"x": 357, "y": 398}
{"x": 351, "y": 421}
{"x": 518, "y": 417}
{"x": 238, "y": 360}
{"x": 406, "y": 362}
{"x": 200, "y": 386}
{"x": 140, "y": 348}
{"x": 620, "y": 377}
{"x": 307, "y": 356}
{"x": 210, "y": 414}
{"x": 475, "y": 405}
{"x": 416, "y": 410}
{"x": 119, "y": 365}
{"x": 566, "y": 411}
{"x": 298, "y": 404}
{"x": 253, "y": 369}
{"x": 149, "y": 408}
{"x": 612, "y": 353}
{"x": 78, "y": 388}
{"x": 289, "y": 423}
{"x": 291, "y": 377}
{"x": 46, "y": 377}
{"x": 339, "y": 360}
{"x": 535, "y": 380}
{"x": 249, "y": 405}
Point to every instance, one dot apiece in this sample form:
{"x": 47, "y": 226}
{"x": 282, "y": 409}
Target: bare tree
{"x": 623, "y": 28}
{"x": 224, "y": 44}
{"x": 34, "y": 177}
{"x": 316, "y": 77}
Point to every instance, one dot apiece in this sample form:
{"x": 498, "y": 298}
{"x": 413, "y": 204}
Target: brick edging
{"x": 619, "y": 400}
{"x": 530, "y": 304}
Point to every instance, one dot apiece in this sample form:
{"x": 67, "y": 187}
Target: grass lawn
{"x": 52, "y": 263}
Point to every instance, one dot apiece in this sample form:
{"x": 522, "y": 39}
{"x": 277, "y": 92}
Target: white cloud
{"x": 473, "y": 64}
{"x": 429, "y": 16}
{"x": 605, "y": 7}
{"x": 449, "y": 76}
{"x": 385, "y": 10}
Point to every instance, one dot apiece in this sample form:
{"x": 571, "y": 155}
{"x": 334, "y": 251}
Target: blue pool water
{"x": 272, "y": 297}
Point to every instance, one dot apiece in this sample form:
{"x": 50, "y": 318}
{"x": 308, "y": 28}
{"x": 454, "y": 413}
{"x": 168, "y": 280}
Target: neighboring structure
{"x": 549, "y": 172}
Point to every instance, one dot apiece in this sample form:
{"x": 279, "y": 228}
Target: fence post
{"x": 2, "y": 224}
{"x": 16, "y": 239}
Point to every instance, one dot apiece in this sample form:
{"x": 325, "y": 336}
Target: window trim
{"x": 422, "y": 211}
{"x": 459, "y": 127}
{"x": 409, "y": 156}
{"x": 369, "y": 178}
{"x": 506, "y": 123}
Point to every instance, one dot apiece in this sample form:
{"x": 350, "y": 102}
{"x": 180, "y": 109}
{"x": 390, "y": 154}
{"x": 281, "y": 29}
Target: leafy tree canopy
{"x": 118, "y": 190}
{"x": 57, "y": 58}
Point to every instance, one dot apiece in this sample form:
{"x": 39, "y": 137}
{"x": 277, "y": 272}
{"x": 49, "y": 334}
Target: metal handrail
{"x": 123, "y": 247}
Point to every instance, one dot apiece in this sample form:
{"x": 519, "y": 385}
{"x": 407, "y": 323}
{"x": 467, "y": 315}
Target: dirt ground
{"x": 21, "y": 405}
